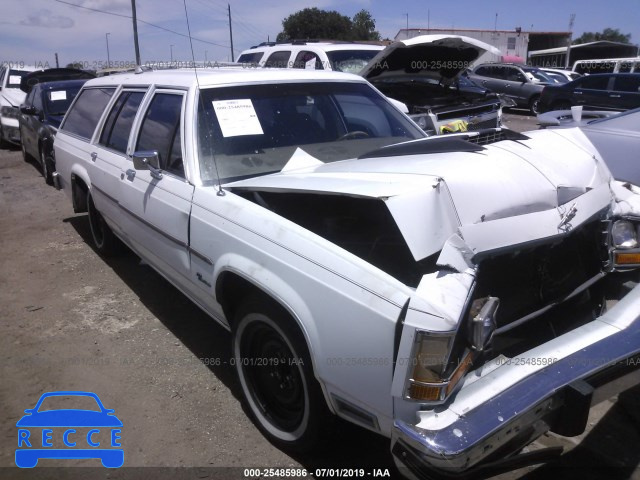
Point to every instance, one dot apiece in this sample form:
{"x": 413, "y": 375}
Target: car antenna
{"x": 220, "y": 192}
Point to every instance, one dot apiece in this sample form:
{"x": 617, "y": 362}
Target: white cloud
{"x": 44, "y": 18}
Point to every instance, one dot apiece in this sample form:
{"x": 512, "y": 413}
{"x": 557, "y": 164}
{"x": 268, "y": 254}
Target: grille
{"x": 491, "y": 123}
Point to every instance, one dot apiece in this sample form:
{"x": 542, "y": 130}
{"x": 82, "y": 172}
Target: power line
{"x": 141, "y": 21}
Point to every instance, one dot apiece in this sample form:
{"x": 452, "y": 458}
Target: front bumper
{"x": 11, "y": 134}
{"x": 557, "y": 398}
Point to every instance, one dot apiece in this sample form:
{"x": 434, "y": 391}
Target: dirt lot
{"x": 72, "y": 320}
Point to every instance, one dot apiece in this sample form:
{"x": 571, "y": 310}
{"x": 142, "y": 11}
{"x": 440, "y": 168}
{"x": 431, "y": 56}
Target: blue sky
{"x": 31, "y": 31}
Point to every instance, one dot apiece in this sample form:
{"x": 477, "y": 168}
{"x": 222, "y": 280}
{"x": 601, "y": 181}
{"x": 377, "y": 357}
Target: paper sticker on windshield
{"x": 237, "y": 117}
{"x": 15, "y": 79}
{"x": 59, "y": 95}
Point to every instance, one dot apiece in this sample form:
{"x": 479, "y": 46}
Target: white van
{"x": 341, "y": 57}
{"x": 607, "y": 65}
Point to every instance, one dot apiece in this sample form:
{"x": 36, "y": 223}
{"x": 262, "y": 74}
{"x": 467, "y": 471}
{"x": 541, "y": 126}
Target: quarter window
{"x": 160, "y": 131}
{"x": 627, "y": 83}
{"x": 83, "y": 117}
{"x": 115, "y": 134}
{"x": 278, "y": 59}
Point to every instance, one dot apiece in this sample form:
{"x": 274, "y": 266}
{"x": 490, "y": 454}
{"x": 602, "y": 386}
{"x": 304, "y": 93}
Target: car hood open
{"x": 438, "y": 57}
{"x": 494, "y": 196}
{"x": 53, "y": 75}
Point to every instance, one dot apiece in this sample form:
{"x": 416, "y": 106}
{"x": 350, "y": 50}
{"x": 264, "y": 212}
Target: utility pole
{"x": 407, "y": 15}
{"x": 171, "y": 48}
{"x": 135, "y": 32}
{"x": 230, "y": 32}
{"x": 57, "y": 64}
{"x": 571, "y": 20}
{"x": 106, "y": 35}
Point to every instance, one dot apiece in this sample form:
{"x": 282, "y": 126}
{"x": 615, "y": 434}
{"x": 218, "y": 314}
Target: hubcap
{"x": 273, "y": 376}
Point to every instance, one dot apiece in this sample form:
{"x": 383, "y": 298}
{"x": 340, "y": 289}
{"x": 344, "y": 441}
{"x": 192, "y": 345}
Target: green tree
{"x": 314, "y": 23}
{"x": 610, "y": 34}
{"x": 364, "y": 26}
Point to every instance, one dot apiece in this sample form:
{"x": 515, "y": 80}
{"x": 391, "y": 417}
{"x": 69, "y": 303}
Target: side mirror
{"x": 28, "y": 109}
{"x": 148, "y": 160}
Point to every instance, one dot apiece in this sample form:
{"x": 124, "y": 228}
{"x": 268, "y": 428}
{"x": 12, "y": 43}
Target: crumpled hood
{"x": 14, "y": 96}
{"x": 432, "y": 196}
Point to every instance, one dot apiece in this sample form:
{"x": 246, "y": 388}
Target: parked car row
{"x": 34, "y": 101}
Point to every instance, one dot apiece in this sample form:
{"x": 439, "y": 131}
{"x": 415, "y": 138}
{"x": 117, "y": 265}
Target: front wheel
{"x": 276, "y": 376}
{"x": 103, "y": 238}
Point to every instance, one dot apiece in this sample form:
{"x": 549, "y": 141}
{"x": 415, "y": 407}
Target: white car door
{"x": 158, "y": 203}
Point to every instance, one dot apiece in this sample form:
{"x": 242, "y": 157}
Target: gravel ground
{"x": 72, "y": 320}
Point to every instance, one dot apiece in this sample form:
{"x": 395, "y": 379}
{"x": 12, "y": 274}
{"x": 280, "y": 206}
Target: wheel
{"x": 46, "y": 164}
{"x": 25, "y": 155}
{"x": 353, "y": 135}
{"x": 276, "y": 375}
{"x": 533, "y": 105}
{"x": 103, "y": 238}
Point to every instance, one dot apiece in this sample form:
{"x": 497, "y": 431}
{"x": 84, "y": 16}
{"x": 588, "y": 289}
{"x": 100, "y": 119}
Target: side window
{"x": 160, "y": 131}
{"x": 307, "y": 60}
{"x": 278, "y": 59}
{"x": 4, "y": 70}
{"x": 499, "y": 72}
{"x": 515, "y": 75}
{"x": 85, "y": 113}
{"x": 115, "y": 134}
{"x": 627, "y": 83}
{"x": 484, "y": 71}
{"x": 595, "y": 83}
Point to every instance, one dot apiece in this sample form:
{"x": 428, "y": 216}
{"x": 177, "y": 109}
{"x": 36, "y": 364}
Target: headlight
{"x": 430, "y": 356}
{"x": 9, "y": 112}
{"x": 424, "y": 122}
{"x": 624, "y": 234}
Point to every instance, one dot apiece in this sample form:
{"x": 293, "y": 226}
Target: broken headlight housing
{"x": 431, "y": 356}
{"x": 625, "y": 244}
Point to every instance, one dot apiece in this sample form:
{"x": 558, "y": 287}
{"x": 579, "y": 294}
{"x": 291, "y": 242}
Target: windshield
{"x": 255, "y": 130}
{"x": 350, "y": 61}
{"x": 57, "y": 101}
{"x": 14, "y": 78}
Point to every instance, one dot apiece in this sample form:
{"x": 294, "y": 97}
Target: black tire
{"x": 276, "y": 375}
{"x": 103, "y": 238}
{"x": 46, "y": 165}
{"x": 534, "y": 104}
{"x": 25, "y": 155}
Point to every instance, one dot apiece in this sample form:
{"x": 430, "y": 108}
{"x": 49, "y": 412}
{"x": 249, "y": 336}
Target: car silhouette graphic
{"x": 32, "y": 446}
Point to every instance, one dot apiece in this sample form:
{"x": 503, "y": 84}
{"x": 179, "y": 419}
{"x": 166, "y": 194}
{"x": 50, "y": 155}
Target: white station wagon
{"x": 451, "y": 293}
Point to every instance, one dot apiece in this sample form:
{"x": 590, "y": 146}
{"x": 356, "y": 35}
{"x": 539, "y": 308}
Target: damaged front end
{"x": 526, "y": 341}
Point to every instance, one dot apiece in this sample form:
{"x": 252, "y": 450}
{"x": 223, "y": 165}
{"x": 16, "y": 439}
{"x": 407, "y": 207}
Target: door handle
{"x": 94, "y": 156}
{"x": 614, "y": 96}
{"x": 577, "y": 93}
{"x": 131, "y": 174}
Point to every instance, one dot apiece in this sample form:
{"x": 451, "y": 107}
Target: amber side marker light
{"x": 627, "y": 258}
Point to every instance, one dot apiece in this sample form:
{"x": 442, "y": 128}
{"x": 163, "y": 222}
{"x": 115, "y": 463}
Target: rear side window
{"x": 278, "y": 59}
{"x": 115, "y": 134}
{"x": 83, "y": 117}
{"x": 307, "y": 60}
{"x": 250, "y": 57}
{"x": 160, "y": 131}
{"x": 627, "y": 83}
{"x": 594, "y": 83}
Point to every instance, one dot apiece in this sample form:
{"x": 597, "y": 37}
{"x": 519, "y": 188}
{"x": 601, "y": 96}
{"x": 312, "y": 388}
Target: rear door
{"x": 626, "y": 92}
{"x": 158, "y": 206}
{"x": 592, "y": 92}
{"x": 28, "y": 126}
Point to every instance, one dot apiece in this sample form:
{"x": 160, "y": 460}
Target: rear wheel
{"x": 103, "y": 238}
{"x": 46, "y": 164}
{"x": 276, "y": 376}
{"x": 534, "y": 105}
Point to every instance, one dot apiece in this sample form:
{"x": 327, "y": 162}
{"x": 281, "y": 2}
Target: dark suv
{"x": 521, "y": 83}
{"x": 603, "y": 91}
